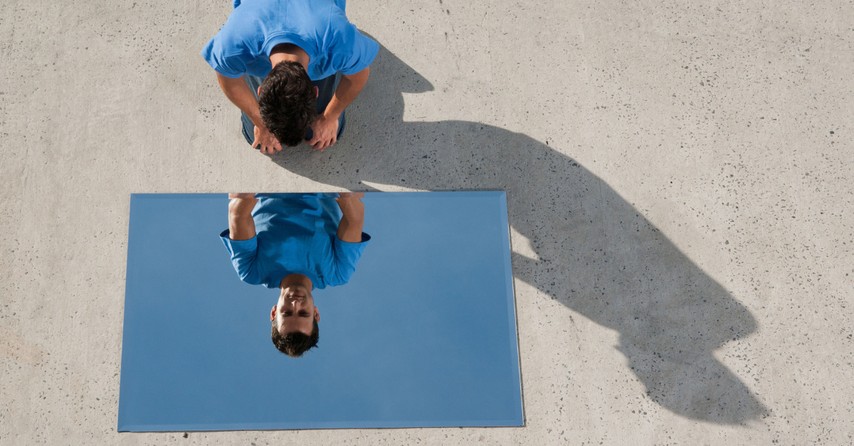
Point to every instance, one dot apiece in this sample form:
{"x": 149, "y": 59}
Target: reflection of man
{"x": 295, "y": 242}
{"x": 297, "y": 47}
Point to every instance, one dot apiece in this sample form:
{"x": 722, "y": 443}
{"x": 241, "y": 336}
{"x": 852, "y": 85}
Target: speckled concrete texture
{"x": 679, "y": 178}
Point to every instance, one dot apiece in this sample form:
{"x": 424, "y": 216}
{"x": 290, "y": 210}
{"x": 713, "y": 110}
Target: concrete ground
{"x": 679, "y": 179}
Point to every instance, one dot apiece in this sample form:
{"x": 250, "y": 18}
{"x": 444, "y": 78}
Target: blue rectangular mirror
{"x": 412, "y": 295}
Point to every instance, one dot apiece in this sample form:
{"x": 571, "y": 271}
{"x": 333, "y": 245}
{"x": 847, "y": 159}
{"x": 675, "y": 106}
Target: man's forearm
{"x": 241, "y": 226}
{"x": 239, "y": 93}
{"x": 350, "y": 229}
{"x": 348, "y": 89}
{"x": 353, "y": 216}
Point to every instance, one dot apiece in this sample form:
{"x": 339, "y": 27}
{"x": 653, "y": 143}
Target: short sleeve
{"x": 352, "y": 51}
{"x": 345, "y": 257}
{"x": 243, "y": 257}
{"x": 228, "y": 65}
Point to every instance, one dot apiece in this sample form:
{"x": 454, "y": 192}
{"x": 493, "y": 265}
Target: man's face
{"x": 295, "y": 311}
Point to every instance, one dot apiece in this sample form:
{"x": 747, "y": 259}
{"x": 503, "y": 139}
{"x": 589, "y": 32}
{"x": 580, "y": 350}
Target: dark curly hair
{"x": 296, "y": 343}
{"x": 288, "y": 102}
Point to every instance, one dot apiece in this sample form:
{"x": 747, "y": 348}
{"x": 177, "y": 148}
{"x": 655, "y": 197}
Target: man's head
{"x": 294, "y": 321}
{"x": 288, "y": 101}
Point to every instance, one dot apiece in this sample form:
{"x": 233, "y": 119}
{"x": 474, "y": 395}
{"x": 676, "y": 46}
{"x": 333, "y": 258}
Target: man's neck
{"x": 296, "y": 279}
{"x": 287, "y": 52}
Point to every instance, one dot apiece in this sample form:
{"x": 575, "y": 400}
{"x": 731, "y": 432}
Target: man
{"x": 295, "y": 242}
{"x": 313, "y": 63}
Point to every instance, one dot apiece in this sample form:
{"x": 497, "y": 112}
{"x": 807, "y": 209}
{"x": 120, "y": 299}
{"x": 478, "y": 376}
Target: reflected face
{"x": 295, "y": 311}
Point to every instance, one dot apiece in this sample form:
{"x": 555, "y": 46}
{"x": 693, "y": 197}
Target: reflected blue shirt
{"x": 295, "y": 234}
{"x": 319, "y": 27}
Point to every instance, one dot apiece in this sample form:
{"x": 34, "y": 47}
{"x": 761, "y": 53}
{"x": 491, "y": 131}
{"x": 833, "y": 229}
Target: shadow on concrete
{"x": 596, "y": 254}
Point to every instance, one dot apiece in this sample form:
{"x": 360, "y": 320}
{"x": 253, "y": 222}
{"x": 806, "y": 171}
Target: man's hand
{"x": 351, "y": 205}
{"x": 239, "y": 93}
{"x": 242, "y": 195}
{"x": 266, "y": 142}
{"x": 325, "y": 130}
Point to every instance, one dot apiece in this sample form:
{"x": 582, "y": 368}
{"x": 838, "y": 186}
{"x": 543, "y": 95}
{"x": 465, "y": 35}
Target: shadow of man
{"x": 596, "y": 254}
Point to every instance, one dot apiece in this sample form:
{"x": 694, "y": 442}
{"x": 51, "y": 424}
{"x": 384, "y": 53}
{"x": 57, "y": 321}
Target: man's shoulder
{"x": 257, "y": 20}
{"x": 240, "y": 28}
{"x": 289, "y": 9}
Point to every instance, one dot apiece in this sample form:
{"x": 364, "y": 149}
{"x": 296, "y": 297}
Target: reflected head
{"x": 296, "y": 343}
{"x": 287, "y": 99}
{"x": 294, "y": 318}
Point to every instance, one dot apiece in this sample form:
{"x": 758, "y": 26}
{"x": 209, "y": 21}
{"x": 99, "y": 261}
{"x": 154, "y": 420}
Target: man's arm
{"x": 239, "y": 93}
{"x": 325, "y": 128}
{"x": 353, "y": 210}
{"x": 241, "y": 226}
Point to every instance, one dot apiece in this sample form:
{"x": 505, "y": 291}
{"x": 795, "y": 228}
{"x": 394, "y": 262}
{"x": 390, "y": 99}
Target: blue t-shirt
{"x": 319, "y": 27}
{"x": 295, "y": 234}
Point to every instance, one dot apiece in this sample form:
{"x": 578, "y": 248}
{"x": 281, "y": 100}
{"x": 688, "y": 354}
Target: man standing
{"x": 313, "y": 63}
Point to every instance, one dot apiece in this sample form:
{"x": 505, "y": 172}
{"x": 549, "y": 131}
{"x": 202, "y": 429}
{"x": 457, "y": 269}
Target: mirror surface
{"x": 417, "y": 329}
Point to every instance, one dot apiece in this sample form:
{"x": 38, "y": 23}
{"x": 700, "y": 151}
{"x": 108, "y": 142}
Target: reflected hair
{"x": 288, "y": 102}
{"x": 296, "y": 343}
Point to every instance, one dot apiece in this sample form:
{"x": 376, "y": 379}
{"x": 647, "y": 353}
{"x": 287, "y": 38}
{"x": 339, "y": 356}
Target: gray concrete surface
{"x": 679, "y": 177}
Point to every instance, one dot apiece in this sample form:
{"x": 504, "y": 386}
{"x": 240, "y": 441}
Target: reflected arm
{"x": 353, "y": 210}
{"x": 241, "y": 226}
